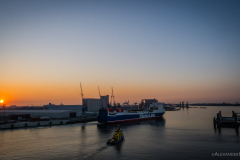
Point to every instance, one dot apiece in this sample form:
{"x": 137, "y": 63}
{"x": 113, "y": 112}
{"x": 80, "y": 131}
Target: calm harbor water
{"x": 184, "y": 134}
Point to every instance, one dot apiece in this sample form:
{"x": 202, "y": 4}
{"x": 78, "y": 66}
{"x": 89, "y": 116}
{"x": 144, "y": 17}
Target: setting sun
{"x": 1, "y": 101}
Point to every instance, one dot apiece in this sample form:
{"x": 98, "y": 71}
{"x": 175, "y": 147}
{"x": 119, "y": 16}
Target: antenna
{"x": 99, "y": 92}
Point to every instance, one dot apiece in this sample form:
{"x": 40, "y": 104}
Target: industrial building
{"x": 37, "y": 113}
{"x": 94, "y": 104}
{"x": 58, "y": 111}
{"x": 51, "y": 106}
{"x": 50, "y": 110}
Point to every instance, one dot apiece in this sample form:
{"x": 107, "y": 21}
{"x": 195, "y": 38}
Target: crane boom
{"x": 81, "y": 90}
{"x": 84, "y": 109}
{"x": 99, "y": 92}
{"x": 113, "y": 98}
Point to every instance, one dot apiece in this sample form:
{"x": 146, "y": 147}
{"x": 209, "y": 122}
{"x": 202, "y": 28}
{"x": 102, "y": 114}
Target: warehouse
{"x": 51, "y": 106}
{"x": 94, "y": 104}
{"x": 37, "y": 113}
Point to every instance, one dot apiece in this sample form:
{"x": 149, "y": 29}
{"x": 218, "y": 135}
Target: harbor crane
{"x": 99, "y": 92}
{"x": 112, "y": 98}
{"x": 101, "y": 101}
{"x": 83, "y": 102}
{"x": 81, "y": 90}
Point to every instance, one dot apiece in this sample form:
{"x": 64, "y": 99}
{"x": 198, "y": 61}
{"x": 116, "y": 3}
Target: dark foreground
{"x": 185, "y": 134}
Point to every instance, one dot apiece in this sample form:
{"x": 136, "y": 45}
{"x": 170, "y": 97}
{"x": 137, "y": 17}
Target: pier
{"x": 220, "y": 121}
{"x": 27, "y": 124}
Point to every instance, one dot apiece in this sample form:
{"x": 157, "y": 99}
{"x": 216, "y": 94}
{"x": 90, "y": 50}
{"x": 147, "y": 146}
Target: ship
{"x": 108, "y": 115}
{"x": 117, "y": 137}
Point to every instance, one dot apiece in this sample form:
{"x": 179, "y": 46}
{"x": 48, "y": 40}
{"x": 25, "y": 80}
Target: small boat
{"x": 117, "y": 137}
{"x": 202, "y": 107}
{"x": 171, "y": 108}
{"x": 11, "y": 121}
{"x": 42, "y": 118}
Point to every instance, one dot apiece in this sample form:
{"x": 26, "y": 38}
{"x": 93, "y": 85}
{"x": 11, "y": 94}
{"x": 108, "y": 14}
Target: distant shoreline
{"x": 215, "y": 104}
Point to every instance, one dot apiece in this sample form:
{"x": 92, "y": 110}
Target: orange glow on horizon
{"x": 55, "y": 93}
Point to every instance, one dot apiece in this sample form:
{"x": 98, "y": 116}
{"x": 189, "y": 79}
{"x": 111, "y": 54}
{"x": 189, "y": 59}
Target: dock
{"x": 27, "y": 124}
{"x": 220, "y": 121}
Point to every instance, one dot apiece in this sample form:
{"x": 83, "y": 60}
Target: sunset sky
{"x": 170, "y": 50}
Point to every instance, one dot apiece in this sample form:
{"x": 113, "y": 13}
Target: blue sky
{"x": 170, "y": 50}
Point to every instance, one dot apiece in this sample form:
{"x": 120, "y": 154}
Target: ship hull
{"x": 116, "y": 141}
{"x": 126, "y": 117}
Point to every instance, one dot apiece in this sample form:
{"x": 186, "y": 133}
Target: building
{"x": 105, "y": 101}
{"x": 91, "y": 105}
{"x": 50, "y": 110}
{"x": 62, "y": 107}
{"x": 94, "y": 104}
{"x": 38, "y": 113}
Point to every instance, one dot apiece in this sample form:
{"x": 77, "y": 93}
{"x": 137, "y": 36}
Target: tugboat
{"x": 117, "y": 137}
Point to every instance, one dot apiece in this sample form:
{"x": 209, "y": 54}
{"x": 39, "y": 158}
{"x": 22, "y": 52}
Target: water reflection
{"x": 219, "y": 130}
{"x": 129, "y": 130}
{"x": 182, "y": 134}
{"x": 158, "y": 122}
{"x": 106, "y": 128}
{"x": 83, "y": 127}
{"x": 119, "y": 146}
